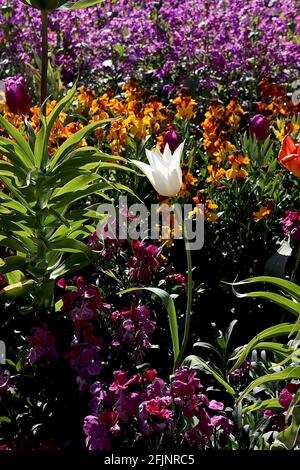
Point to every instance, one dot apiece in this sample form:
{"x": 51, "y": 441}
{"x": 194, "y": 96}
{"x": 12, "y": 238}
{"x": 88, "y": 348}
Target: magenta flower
{"x": 291, "y": 225}
{"x": 259, "y": 126}
{"x": 100, "y": 430}
{"x": 222, "y": 422}
{"x": 216, "y": 405}
{"x": 42, "y": 345}
{"x": 172, "y": 138}
{"x": 16, "y": 95}
{"x": 285, "y": 398}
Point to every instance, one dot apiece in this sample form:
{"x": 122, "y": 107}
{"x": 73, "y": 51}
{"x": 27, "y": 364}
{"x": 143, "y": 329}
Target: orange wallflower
{"x": 216, "y": 174}
{"x": 185, "y": 106}
{"x": 263, "y": 213}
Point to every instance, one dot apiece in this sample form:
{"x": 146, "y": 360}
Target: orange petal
{"x": 288, "y": 147}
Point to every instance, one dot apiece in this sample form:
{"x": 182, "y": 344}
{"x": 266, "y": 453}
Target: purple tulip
{"x": 259, "y": 126}
{"x": 172, "y": 138}
{"x": 16, "y": 95}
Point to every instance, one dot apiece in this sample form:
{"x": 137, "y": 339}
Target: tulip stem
{"x": 44, "y": 72}
{"x": 189, "y": 289}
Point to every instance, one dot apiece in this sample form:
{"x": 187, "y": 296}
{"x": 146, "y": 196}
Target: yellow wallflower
{"x": 215, "y": 175}
{"x": 85, "y": 97}
{"x": 185, "y": 106}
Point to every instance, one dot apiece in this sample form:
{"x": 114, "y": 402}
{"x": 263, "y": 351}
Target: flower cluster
{"x": 220, "y": 122}
{"x": 285, "y": 398}
{"x": 144, "y": 261}
{"x": 143, "y": 403}
{"x": 83, "y": 303}
{"x": 264, "y": 212}
{"x": 132, "y": 327}
{"x": 42, "y": 345}
{"x": 61, "y": 130}
{"x": 291, "y": 225}
{"x": 161, "y": 38}
{"x": 139, "y": 116}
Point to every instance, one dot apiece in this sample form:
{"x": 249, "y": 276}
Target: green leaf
{"x": 291, "y": 372}
{"x": 276, "y": 348}
{"x": 74, "y": 140}
{"x": 272, "y": 403}
{"x": 23, "y": 145}
{"x": 278, "y": 330}
{"x": 10, "y": 242}
{"x": 80, "y": 4}
{"x": 170, "y": 307}
{"x": 287, "y": 286}
{"x": 287, "y": 304}
{"x": 73, "y": 246}
{"x": 15, "y": 276}
{"x": 19, "y": 289}
{"x": 73, "y": 263}
{"x": 290, "y": 434}
{"x": 5, "y": 419}
{"x": 11, "y": 150}
{"x": 195, "y": 362}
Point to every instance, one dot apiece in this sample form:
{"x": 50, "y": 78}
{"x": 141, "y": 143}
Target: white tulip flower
{"x": 164, "y": 170}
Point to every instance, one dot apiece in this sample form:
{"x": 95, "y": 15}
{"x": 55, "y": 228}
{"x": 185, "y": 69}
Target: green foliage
{"x": 38, "y": 218}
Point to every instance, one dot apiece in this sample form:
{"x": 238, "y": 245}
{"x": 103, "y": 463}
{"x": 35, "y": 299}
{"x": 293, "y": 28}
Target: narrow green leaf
{"x": 274, "y": 331}
{"x": 195, "y": 362}
{"x": 291, "y": 372}
{"x": 27, "y": 154}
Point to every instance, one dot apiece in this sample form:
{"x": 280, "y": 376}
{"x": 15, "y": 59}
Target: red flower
{"x": 289, "y": 155}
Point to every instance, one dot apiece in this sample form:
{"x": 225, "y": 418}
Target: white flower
{"x": 164, "y": 170}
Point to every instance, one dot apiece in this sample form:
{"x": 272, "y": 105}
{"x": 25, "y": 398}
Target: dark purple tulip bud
{"x": 16, "y": 95}
{"x": 259, "y": 126}
{"x": 172, "y": 138}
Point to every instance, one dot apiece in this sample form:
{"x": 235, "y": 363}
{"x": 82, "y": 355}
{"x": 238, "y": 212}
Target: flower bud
{"x": 16, "y": 95}
{"x": 172, "y": 138}
{"x": 259, "y": 126}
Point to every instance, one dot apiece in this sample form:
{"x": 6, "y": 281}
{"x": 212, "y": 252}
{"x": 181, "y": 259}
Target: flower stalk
{"x": 189, "y": 302}
{"x": 189, "y": 293}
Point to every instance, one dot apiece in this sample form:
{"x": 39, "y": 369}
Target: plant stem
{"x": 44, "y": 58}
{"x": 296, "y": 266}
{"x": 189, "y": 299}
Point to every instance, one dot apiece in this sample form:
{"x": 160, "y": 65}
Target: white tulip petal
{"x": 177, "y": 156}
{"x": 167, "y": 155}
{"x": 146, "y": 169}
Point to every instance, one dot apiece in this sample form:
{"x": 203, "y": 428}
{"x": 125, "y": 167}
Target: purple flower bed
{"x": 163, "y": 39}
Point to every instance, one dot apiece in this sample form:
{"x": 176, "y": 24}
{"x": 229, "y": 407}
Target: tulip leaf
{"x": 291, "y": 372}
{"x": 81, "y": 4}
{"x": 283, "y": 329}
{"x": 195, "y": 362}
{"x": 287, "y": 286}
